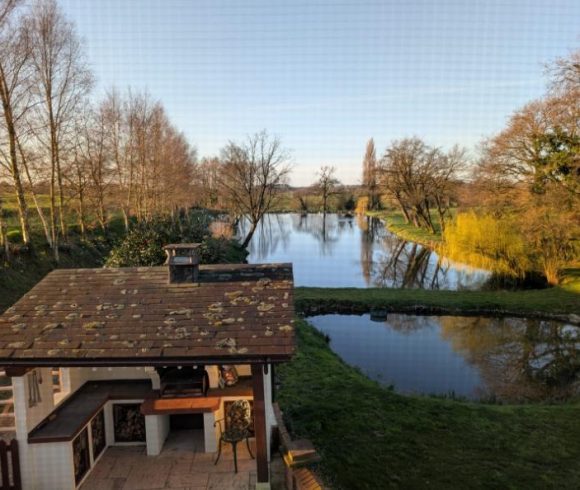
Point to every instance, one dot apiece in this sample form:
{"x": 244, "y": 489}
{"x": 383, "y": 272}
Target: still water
{"x": 509, "y": 359}
{"x": 337, "y": 251}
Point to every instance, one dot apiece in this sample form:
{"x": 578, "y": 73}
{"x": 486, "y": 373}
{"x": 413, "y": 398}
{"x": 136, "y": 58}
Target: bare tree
{"x": 444, "y": 181}
{"x": 565, "y": 74}
{"x": 327, "y": 185}
{"x": 62, "y": 80}
{"x": 140, "y": 161}
{"x": 15, "y": 98}
{"x": 207, "y": 182}
{"x": 420, "y": 178}
{"x": 253, "y": 173}
{"x": 117, "y": 143}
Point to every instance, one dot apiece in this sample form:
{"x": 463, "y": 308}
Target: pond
{"x": 507, "y": 359}
{"x": 337, "y": 251}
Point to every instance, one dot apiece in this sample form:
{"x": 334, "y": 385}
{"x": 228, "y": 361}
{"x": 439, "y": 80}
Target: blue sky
{"x": 327, "y": 75}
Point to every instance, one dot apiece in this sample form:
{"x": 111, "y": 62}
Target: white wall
{"x": 54, "y": 466}
{"x": 156, "y": 429}
{"x": 37, "y": 413}
{"x": 27, "y": 417}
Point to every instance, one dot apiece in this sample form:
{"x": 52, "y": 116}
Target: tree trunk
{"x": 4, "y": 239}
{"x": 14, "y": 169}
{"x": 82, "y": 210}
{"x": 34, "y": 198}
{"x": 102, "y": 215}
{"x": 53, "y": 228}
{"x": 125, "y": 219}
{"x": 60, "y": 194}
{"x": 20, "y": 198}
{"x": 252, "y": 230}
{"x": 403, "y": 209}
{"x": 54, "y": 169}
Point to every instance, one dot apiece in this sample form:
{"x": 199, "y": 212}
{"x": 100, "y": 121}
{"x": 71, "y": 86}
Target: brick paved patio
{"x": 182, "y": 465}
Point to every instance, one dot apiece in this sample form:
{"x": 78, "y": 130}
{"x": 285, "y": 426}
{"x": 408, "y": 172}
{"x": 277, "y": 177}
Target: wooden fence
{"x": 10, "y": 465}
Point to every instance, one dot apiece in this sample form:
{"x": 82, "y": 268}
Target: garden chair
{"x": 238, "y": 421}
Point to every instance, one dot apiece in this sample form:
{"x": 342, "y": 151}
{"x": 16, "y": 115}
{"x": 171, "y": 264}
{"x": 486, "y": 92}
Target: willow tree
{"x": 253, "y": 173}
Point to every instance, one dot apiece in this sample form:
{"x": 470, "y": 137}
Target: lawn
{"x": 557, "y": 302}
{"x": 395, "y": 222}
{"x": 372, "y": 438}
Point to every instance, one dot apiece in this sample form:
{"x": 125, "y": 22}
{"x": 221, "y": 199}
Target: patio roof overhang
{"x": 135, "y": 317}
{"x": 31, "y": 363}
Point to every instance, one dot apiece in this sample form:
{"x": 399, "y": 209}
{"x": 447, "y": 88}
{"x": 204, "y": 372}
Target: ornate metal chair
{"x": 238, "y": 421}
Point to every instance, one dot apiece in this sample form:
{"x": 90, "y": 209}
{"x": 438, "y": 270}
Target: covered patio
{"x": 181, "y": 465}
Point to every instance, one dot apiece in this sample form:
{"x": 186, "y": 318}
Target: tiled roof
{"x": 134, "y": 316}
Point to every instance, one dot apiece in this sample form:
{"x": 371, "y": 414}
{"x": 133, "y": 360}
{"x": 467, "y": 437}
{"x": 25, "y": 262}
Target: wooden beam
{"x": 260, "y": 423}
{"x": 17, "y": 371}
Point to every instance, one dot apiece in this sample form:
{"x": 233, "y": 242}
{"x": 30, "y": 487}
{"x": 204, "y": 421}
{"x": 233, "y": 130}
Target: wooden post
{"x": 15, "y": 465}
{"x": 260, "y": 423}
{"x": 4, "y": 465}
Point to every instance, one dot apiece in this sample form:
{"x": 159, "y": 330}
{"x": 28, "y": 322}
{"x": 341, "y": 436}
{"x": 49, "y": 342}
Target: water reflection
{"x": 336, "y": 251}
{"x": 508, "y": 359}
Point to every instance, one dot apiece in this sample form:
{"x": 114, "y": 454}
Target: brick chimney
{"x": 182, "y": 262}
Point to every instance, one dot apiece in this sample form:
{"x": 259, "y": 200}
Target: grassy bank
{"x": 370, "y": 437}
{"x": 25, "y": 271}
{"x": 395, "y": 222}
{"x": 558, "y": 302}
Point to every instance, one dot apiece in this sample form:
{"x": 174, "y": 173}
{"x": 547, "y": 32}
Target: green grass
{"x": 9, "y": 201}
{"x": 25, "y": 271}
{"x": 571, "y": 280}
{"x": 553, "y": 302}
{"x": 395, "y": 222}
{"x": 372, "y": 438}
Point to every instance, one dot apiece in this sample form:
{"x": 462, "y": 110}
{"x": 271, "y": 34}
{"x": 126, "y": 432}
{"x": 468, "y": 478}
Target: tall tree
{"x": 15, "y": 98}
{"x": 253, "y": 172}
{"x": 370, "y": 176}
{"x": 62, "y": 79}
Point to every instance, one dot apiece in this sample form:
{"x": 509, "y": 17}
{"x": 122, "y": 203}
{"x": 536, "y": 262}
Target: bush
{"x": 14, "y": 236}
{"x": 362, "y": 205}
{"x": 143, "y": 245}
{"x": 140, "y": 247}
